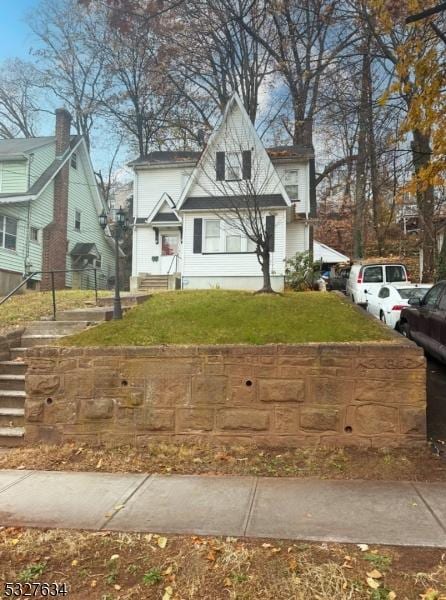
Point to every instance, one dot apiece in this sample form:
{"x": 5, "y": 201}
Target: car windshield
{"x": 407, "y": 293}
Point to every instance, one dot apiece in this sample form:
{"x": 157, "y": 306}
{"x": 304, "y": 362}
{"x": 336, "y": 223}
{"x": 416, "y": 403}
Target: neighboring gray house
{"x": 49, "y": 207}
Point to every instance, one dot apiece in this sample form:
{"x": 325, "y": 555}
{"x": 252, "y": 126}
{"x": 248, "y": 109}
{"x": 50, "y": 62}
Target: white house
{"x": 185, "y": 227}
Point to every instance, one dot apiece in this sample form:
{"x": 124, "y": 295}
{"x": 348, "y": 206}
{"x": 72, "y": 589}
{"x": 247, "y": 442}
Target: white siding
{"x": 296, "y": 239}
{"x": 151, "y": 184}
{"x": 303, "y": 182}
{"x": 230, "y": 265}
{"x": 235, "y": 135}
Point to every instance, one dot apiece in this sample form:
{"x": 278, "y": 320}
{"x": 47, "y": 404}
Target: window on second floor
{"x": 291, "y": 182}
{"x": 77, "y": 220}
{"x": 8, "y": 233}
{"x": 233, "y": 166}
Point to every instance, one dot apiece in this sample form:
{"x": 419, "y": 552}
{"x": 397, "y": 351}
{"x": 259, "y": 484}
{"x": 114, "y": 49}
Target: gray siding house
{"x": 49, "y": 207}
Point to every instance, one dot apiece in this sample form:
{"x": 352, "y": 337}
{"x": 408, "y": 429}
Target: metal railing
{"x": 174, "y": 259}
{"x": 53, "y": 287}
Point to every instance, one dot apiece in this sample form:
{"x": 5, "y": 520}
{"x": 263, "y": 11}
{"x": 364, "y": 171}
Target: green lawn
{"x": 228, "y": 317}
{"x": 33, "y": 305}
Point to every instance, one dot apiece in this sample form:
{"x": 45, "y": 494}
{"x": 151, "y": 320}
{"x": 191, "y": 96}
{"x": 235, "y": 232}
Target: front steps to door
{"x": 145, "y": 282}
{"x": 42, "y": 333}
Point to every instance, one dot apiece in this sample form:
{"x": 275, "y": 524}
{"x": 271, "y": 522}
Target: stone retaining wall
{"x": 278, "y": 395}
{"x": 10, "y": 337}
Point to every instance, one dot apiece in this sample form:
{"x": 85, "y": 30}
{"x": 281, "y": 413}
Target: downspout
{"x": 26, "y": 263}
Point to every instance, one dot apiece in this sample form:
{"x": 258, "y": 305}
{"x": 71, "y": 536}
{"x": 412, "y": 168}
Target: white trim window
{"x": 77, "y": 220}
{"x": 34, "y": 234}
{"x": 211, "y": 235}
{"x": 233, "y": 167}
{"x": 8, "y": 233}
{"x": 291, "y": 183}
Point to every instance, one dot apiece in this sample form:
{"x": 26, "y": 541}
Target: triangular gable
{"x": 164, "y": 205}
{"x": 243, "y": 135}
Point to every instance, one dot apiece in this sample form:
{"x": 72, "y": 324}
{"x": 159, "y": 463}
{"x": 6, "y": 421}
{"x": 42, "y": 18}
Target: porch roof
{"x": 231, "y": 202}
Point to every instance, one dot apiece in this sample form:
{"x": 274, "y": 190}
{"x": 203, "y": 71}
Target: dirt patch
{"x": 348, "y": 463}
{"x": 117, "y": 566}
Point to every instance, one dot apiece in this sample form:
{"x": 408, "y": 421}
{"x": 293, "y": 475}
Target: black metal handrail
{"x": 53, "y": 288}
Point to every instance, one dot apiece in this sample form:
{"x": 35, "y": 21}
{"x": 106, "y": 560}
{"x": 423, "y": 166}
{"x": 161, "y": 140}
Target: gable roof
{"x": 234, "y": 101}
{"x": 328, "y": 255}
{"x": 163, "y": 217}
{"x": 191, "y": 157}
{"x": 45, "y": 178}
{"x": 20, "y": 146}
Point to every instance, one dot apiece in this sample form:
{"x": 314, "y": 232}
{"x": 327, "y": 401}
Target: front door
{"x": 170, "y": 250}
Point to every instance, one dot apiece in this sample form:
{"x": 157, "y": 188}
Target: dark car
{"x": 424, "y": 321}
{"x": 338, "y": 280}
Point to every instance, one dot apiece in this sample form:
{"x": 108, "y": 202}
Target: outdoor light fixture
{"x": 118, "y": 227}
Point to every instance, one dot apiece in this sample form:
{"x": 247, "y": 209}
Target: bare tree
{"x": 68, "y": 65}
{"x": 242, "y": 183}
{"x": 18, "y": 100}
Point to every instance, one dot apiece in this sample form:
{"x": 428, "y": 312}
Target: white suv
{"x": 370, "y": 278}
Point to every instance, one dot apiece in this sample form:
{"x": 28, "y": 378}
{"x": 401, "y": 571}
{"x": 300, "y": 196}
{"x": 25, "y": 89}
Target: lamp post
{"x": 119, "y": 226}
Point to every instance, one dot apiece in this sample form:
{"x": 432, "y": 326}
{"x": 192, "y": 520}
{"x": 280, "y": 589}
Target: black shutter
{"x": 270, "y": 226}
{"x": 246, "y": 161}
{"x": 220, "y": 166}
{"x": 198, "y": 230}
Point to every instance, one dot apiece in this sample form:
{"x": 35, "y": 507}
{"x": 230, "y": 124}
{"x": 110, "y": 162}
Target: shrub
{"x": 300, "y": 273}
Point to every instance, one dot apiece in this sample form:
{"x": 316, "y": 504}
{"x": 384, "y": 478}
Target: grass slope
{"x": 33, "y": 305}
{"x": 229, "y": 317}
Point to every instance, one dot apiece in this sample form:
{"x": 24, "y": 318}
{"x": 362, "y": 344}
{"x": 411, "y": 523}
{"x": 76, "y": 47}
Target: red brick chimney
{"x": 54, "y": 248}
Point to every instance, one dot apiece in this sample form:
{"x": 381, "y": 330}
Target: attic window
{"x": 74, "y": 160}
{"x": 233, "y": 171}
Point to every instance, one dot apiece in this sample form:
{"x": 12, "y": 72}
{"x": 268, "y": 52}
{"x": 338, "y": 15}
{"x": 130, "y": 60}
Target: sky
{"x": 15, "y": 39}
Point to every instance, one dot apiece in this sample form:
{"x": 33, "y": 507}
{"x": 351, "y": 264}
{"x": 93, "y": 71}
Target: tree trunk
{"x": 421, "y": 153}
{"x": 264, "y": 260}
{"x": 361, "y": 165}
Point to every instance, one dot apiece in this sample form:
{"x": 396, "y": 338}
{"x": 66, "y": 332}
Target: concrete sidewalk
{"x": 373, "y": 512}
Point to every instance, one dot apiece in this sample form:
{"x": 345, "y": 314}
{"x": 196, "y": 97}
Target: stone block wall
{"x": 10, "y": 337}
{"x": 366, "y": 394}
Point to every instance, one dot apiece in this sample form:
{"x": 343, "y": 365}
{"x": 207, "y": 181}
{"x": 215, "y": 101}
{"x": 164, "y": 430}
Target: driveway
{"x": 436, "y": 402}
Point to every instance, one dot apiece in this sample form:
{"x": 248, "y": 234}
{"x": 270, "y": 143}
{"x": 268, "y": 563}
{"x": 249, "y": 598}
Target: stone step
{"x": 153, "y": 286}
{"x": 12, "y": 382}
{"x": 55, "y": 327}
{"x": 12, "y": 399}
{"x": 12, "y": 436}
{"x": 17, "y": 353}
{"x": 125, "y": 300}
{"x": 12, "y": 417}
{"x": 12, "y": 367}
{"x": 88, "y": 314}
{"x": 40, "y": 340}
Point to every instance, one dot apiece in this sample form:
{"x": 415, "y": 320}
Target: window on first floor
{"x": 34, "y": 234}
{"x": 222, "y": 236}
{"x": 8, "y": 232}
{"x": 212, "y": 235}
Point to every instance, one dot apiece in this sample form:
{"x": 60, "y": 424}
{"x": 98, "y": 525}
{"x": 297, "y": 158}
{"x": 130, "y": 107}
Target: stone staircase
{"x": 154, "y": 282}
{"x": 42, "y": 333}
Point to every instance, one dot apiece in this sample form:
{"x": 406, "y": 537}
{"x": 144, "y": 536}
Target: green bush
{"x": 300, "y": 272}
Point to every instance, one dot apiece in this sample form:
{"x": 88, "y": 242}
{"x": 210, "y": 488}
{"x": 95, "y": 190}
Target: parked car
{"x": 370, "y": 277}
{"x": 424, "y": 321}
{"x": 338, "y": 279}
{"x": 390, "y": 300}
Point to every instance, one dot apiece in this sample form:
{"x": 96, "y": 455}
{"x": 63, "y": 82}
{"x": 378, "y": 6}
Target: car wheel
{"x": 382, "y": 317}
{"x": 404, "y": 330}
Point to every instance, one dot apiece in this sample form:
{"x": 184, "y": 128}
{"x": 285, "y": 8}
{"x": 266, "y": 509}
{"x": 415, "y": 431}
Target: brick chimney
{"x": 54, "y": 248}
{"x": 63, "y": 124}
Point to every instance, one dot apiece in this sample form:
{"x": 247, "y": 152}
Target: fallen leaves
{"x": 372, "y": 583}
{"x": 162, "y": 542}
